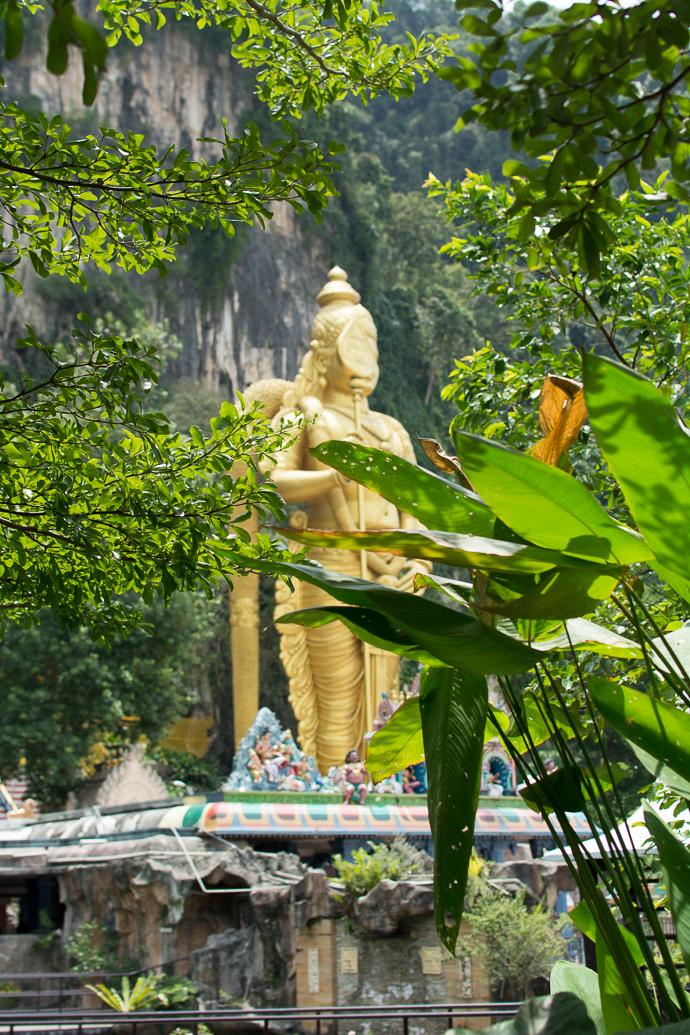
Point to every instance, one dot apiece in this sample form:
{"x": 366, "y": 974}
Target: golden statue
{"x": 334, "y": 700}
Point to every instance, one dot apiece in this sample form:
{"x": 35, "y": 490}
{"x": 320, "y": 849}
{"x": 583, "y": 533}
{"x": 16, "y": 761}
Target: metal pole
{"x": 357, "y": 396}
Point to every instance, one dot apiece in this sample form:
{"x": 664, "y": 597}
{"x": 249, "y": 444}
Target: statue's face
{"x": 356, "y": 356}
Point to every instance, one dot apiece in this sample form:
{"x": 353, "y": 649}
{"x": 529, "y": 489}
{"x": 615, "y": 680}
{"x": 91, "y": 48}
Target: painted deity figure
{"x": 354, "y": 778}
{"x": 326, "y": 666}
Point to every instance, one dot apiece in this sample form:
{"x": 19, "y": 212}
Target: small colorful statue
{"x": 354, "y": 778}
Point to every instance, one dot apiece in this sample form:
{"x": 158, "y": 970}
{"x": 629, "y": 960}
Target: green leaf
{"x": 398, "y": 744}
{"x": 661, "y": 730}
{"x": 461, "y": 551}
{"x": 586, "y": 635}
{"x": 672, "y": 651}
{"x": 452, "y": 588}
{"x": 451, "y": 637}
{"x": 675, "y": 864}
{"x": 569, "y": 787}
{"x": 58, "y": 40}
{"x": 433, "y": 500}
{"x": 582, "y": 982}
{"x": 14, "y": 31}
{"x": 94, "y": 45}
{"x": 559, "y": 790}
{"x": 648, "y": 452}
{"x": 663, "y": 773}
{"x": 567, "y": 593}
{"x": 545, "y": 505}
{"x": 616, "y": 1015}
{"x": 368, "y": 625}
{"x": 560, "y": 1014}
{"x": 453, "y": 707}
{"x": 676, "y": 582}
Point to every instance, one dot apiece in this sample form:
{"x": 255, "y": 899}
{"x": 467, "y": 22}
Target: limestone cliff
{"x": 176, "y": 88}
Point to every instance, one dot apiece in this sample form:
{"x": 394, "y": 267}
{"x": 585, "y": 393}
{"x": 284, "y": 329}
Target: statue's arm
{"x": 303, "y": 486}
{"x": 294, "y": 484}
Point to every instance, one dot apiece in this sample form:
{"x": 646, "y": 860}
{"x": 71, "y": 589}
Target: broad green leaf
{"x": 495, "y": 715}
{"x": 460, "y": 551}
{"x": 398, "y": 744}
{"x": 582, "y": 916}
{"x": 453, "y": 707}
{"x": 586, "y": 635}
{"x": 538, "y": 729}
{"x": 616, "y": 1014}
{"x": 452, "y": 588}
{"x": 14, "y": 31}
{"x": 676, "y": 582}
{"x": 648, "y": 451}
{"x": 675, "y": 864}
{"x": 646, "y": 722}
{"x": 559, "y": 1014}
{"x": 582, "y": 982}
{"x": 559, "y": 790}
{"x": 451, "y": 637}
{"x": 433, "y": 500}
{"x": 569, "y": 787}
{"x": 663, "y": 773}
{"x": 545, "y": 505}
{"x": 672, "y": 651}
{"x": 367, "y": 624}
{"x": 567, "y": 593}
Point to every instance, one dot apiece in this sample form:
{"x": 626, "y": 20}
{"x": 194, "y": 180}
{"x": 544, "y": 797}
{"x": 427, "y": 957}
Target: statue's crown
{"x": 337, "y": 289}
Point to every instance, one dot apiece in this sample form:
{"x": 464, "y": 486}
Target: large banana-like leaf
{"x": 672, "y": 651}
{"x": 544, "y": 505}
{"x": 663, "y": 773}
{"x": 436, "y": 502}
{"x": 398, "y": 744}
{"x": 648, "y": 451}
{"x": 617, "y": 1014}
{"x": 582, "y": 982}
{"x": 448, "y": 638}
{"x": 586, "y": 635}
{"x": 568, "y": 787}
{"x": 661, "y": 730}
{"x": 559, "y": 1014}
{"x": 451, "y": 637}
{"x": 460, "y": 551}
{"x": 453, "y": 707}
{"x": 675, "y": 864}
{"x": 567, "y": 593}
{"x": 368, "y": 625}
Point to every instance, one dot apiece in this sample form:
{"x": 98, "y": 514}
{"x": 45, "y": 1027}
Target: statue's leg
{"x": 336, "y": 660}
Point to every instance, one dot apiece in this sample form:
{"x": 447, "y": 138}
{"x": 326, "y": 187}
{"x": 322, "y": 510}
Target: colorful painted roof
{"x": 330, "y": 819}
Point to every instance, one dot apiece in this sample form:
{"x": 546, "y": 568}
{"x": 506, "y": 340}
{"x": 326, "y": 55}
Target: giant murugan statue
{"x": 334, "y": 699}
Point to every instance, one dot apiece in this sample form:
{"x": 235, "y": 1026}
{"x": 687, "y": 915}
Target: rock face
{"x": 241, "y": 942}
{"x": 381, "y": 911}
{"x": 543, "y": 879}
{"x": 176, "y": 88}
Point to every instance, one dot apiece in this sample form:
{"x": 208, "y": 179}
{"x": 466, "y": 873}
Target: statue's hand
{"x": 354, "y": 436}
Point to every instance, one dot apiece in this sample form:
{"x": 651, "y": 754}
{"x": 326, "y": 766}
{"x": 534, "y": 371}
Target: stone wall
{"x": 176, "y": 88}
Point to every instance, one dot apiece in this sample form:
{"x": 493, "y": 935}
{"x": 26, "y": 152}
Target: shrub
{"x": 384, "y": 862}
{"x": 518, "y": 945}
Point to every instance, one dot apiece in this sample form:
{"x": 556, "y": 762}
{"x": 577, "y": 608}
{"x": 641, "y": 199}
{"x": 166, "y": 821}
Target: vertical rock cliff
{"x": 253, "y": 320}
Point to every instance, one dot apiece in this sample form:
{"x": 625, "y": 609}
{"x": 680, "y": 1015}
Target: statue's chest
{"x": 376, "y": 431}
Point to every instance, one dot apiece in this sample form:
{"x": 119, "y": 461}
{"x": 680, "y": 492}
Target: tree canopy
{"x": 589, "y": 94}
